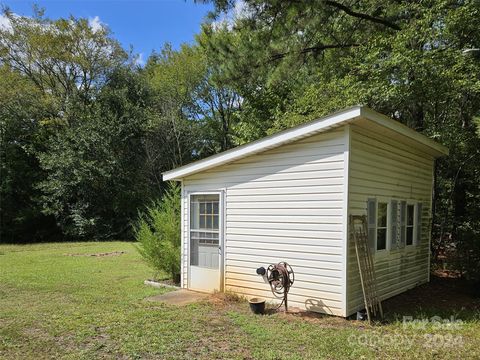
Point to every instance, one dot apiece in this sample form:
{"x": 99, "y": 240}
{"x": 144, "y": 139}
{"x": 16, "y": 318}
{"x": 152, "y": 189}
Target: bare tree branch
{"x": 359, "y": 15}
{"x": 312, "y": 49}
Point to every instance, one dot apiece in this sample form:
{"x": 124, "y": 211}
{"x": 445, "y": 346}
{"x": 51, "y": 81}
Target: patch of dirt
{"x": 231, "y": 301}
{"x": 444, "y": 293}
{"x": 112, "y": 253}
{"x": 323, "y": 320}
{"x": 227, "y": 299}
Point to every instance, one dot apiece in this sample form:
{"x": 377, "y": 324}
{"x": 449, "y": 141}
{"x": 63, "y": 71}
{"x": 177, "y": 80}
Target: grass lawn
{"x": 55, "y": 305}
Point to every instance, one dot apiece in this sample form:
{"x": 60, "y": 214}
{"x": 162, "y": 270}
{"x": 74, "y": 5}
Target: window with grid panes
{"x": 382, "y": 212}
{"x": 410, "y": 225}
{"x": 205, "y": 218}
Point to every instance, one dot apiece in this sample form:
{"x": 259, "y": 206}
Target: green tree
{"x": 173, "y": 77}
{"x": 95, "y": 173}
{"x": 73, "y": 124}
{"x": 22, "y": 108}
{"x": 65, "y": 58}
{"x": 192, "y": 95}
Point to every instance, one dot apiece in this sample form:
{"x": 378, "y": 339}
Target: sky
{"x": 144, "y": 24}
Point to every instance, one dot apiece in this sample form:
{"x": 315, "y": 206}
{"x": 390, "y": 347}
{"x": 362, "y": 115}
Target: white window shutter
{"x": 418, "y": 235}
{"x": 372, "y": 222}
{"x": 403, "y": 223}
{"x": 394, "y": 224}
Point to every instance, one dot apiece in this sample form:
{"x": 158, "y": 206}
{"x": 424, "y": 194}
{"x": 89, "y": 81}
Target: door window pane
{"x": 204, "y": 231}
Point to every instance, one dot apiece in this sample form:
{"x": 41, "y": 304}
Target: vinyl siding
{"x": 382, "y": 165}
{"x": 284, "y": 204}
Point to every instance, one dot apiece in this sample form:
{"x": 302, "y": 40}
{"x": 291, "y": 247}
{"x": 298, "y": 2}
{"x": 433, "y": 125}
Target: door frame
{"x": 221, "y": 234}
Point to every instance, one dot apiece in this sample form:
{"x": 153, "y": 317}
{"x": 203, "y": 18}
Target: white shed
{"x": 287, "y": 197}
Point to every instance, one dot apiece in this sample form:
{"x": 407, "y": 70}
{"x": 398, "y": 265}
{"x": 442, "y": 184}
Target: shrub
{"x": 158, "y": 234}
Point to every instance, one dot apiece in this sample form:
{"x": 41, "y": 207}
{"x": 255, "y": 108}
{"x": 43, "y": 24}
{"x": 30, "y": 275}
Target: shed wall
{"x": 285, "y": 204}
{"x": 382, "y": 165}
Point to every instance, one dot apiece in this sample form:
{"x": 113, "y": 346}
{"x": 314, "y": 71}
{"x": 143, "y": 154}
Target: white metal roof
{"x": 305, "y": 130}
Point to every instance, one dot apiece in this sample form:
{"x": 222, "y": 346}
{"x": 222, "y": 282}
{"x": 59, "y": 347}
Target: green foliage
{"x": 95, "y": 177}
{"x": 65, "y": 58}
{"x": 73, "y": 126}
{"x": 158, "y": 233}
{"x": 22, "y": 107}
{"x": 173, "y": 128}
{"x": 467, "y": 259}
{"x": 409, "y": 60}
{"x": 190, "y": 90}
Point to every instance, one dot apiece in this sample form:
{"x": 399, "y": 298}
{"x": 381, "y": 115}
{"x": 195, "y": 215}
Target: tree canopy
{"x": 86, "y": 132}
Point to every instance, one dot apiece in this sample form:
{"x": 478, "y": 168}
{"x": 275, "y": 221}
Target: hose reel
{"x": 280, "y": 277}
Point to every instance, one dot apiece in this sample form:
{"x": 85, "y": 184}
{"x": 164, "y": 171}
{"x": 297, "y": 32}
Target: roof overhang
{"x": 302, "y": 131}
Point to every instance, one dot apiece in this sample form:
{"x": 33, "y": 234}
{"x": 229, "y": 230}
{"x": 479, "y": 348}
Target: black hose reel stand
{"x": 280, "y": 277}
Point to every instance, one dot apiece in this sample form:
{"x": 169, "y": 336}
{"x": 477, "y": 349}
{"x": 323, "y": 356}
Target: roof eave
{"x": 308, "y": 129}
{"x": 269, "y": 142}
{"x": 438, "y": 149}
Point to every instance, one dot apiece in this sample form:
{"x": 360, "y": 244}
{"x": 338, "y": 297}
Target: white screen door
{"x": 205, "y": 241}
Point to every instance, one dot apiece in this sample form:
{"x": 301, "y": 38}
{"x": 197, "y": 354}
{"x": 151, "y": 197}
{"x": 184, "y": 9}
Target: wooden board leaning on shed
{"x": 366, "y": 268}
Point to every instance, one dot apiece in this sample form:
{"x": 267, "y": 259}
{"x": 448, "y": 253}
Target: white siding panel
{"x": 292, "y": 190}
{"x": 284, "y": 204}
{"x": 293, "y": 206}
{"x": 287, "y": 155}
{"x": 286, "y": 225}
{"x": 381, "y": 166}
{"x": 293, "y": 218}
{"x": 271, "y": 241}
{"x": 328, "y": 196}
{"x": 327, "y": 255}
{"x": 293, "y": 233}
{"x": 304, "y": 267}
{"x": 239, "y": 273}
{"x": 330, "y": 215}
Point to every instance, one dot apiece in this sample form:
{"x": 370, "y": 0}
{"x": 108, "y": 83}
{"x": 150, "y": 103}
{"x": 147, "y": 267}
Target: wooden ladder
{"x": 359, "y": 232}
